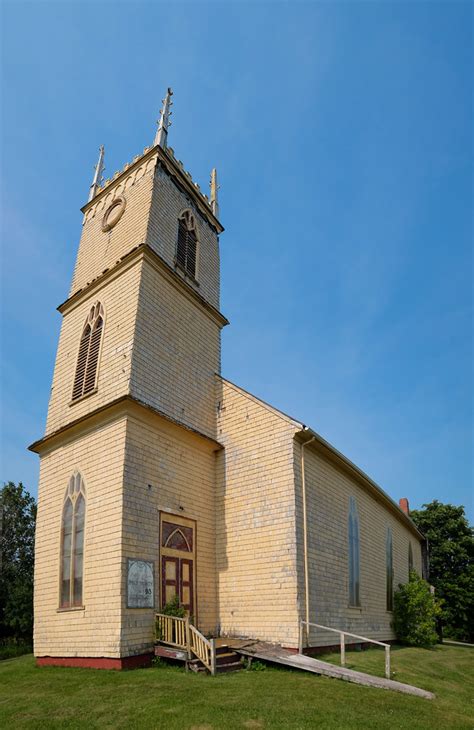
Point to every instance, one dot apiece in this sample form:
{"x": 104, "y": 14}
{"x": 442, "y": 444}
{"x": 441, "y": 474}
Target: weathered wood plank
{"x": 279, "y": 655}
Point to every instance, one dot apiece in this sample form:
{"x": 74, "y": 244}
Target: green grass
{"x": 166, "y": 697}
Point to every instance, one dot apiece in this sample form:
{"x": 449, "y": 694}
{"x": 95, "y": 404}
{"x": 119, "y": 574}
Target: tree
{"x": 17, "y": 533}
{"x": 451, "y": 549}
{"x": 415, "y": 612}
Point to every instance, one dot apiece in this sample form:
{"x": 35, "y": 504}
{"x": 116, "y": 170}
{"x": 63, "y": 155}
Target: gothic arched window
{"x": 89, "y": 349}
{"x": 186, "y": 248}
{"x": 410, "y": 558}
{"x": 72, "y": 542}
{"x": 354, "y": 559}
{"x": 389, "y": 568}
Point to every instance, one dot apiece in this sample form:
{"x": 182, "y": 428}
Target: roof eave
{"x": 307, "y": 434}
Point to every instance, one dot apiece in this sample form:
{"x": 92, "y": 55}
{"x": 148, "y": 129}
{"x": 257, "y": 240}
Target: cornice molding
{"x": 174, "y": 170}
{"x": 126, "y": 405}
{"x": 137, "y": 254}
{"x": 321, "y": 446}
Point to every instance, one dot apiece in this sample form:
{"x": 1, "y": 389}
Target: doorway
{"x": 178, "y": 543}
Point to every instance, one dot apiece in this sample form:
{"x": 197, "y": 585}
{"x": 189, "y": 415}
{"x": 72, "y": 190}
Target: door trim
{"x": 165, "y": 516}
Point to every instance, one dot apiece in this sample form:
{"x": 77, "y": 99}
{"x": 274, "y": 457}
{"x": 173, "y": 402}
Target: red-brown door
{"x": 177, "y": 580}
{"x": 186, "y": 584}
{"x": 178, "y": 553}
{"x": 169, "y": 579}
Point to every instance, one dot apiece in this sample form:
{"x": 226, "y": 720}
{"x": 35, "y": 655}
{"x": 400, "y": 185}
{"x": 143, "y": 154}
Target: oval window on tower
{"x": 113, "y": 213}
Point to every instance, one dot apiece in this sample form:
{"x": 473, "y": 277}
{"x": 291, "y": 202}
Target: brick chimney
{"x": 404, "y": 506}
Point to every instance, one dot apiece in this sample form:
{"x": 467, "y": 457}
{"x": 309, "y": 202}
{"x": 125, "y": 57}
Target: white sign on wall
{"x": 140, "y": 584}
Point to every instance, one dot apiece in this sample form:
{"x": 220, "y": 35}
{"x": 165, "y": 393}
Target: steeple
{"x": 214, "y": 189}
{"x": 99, "y": 169}
{"x": 162, "y": 131}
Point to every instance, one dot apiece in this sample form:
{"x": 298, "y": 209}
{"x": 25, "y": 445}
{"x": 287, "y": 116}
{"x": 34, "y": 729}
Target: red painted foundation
{"x": 128, "y": 662}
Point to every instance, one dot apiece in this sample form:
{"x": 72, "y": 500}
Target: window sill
{"x": 186, "y": 274}
{"x": 67, "y": 609}
{"x": 356, "y": 609}
{"x": 83, "y": 397}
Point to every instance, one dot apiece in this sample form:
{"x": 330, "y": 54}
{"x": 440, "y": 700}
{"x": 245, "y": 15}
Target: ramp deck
{"x": 279, "y": 655}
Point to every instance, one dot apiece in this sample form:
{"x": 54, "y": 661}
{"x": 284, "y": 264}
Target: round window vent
{"x": 113, "y": 213}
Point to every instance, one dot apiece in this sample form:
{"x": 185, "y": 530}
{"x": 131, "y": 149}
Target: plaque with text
{"x": 140, "y": 584}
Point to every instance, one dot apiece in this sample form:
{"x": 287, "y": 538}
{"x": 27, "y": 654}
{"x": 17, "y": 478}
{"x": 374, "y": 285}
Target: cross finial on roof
{"x": 214, "y": 188}
{"x": 99, "y": 169}
{"x": 164, "y": 121}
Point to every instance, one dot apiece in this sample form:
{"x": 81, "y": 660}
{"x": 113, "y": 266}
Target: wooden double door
{"x": 177, "y": 540}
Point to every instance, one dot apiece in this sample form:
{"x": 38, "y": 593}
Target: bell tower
{"x": 128, "y": 455}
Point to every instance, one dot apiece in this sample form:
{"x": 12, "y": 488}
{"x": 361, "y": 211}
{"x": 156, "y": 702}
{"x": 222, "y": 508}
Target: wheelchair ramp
{"x": 278, "y": 655}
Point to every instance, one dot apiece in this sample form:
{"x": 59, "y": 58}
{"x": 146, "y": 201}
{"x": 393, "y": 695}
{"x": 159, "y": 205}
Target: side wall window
{"x": 389, "y": 567}
{"x": 410, "y": 558}
{"x": 186, "y": 248}
{"x": 89, "y": 349}
{"x": 354, "y": 554}
{"x": 72, "y": 542}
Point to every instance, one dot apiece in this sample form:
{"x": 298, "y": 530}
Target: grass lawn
{"x": 167, "y": 697}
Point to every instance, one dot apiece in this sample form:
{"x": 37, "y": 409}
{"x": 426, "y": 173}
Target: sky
{"x": 342, "y": 136}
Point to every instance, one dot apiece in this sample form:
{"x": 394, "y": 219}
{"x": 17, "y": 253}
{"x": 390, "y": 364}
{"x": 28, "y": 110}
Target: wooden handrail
{"x": 181, "y": 633}
{"x": 171, "y": 630}
{"x": 342, "y": 637}
{"x": 204, "y": 649}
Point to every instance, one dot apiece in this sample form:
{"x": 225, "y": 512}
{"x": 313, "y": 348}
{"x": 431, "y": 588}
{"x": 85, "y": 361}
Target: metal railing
{"x": 342, "y": 640}
{"x": 179, "y": 632}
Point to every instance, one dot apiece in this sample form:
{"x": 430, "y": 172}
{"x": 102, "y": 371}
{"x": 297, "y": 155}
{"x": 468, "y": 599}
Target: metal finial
{"x": 99, "y": 169}
{"x": 214, "y": 188}
{"x": 164, "y": 122}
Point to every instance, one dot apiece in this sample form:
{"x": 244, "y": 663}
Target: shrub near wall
{"x": 415, "y": 612}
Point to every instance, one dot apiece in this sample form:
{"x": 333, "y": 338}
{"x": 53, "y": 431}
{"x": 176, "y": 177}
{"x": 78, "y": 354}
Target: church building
{"x": 160, "y": 478}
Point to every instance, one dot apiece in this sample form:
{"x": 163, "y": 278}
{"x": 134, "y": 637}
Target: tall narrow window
{"x": 186, "y": 249}
{"x": 88, "y": 357}
{"x": 354, "y": 560}
{"x": 410, "y": 558}
{"x": 72, "y": 542}
{"x": 389, "y": 568}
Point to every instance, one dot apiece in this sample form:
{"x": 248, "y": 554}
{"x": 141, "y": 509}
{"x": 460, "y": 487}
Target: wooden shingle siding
{"x": 256, "y": 540}
{"x": 120, "y": 300}
{"x": 94, "y": 631}
{"x": 328, "y": 491}
{"x": 167, "y": 204}
{"x": 176, "y": 353}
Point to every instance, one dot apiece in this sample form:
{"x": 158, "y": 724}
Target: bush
{"x": 174, "y": 608}
{"x": 12, "y": 647}
{"x": 415, "y": 612}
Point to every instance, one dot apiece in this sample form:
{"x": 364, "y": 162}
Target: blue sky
{"x": 342, "y": 134}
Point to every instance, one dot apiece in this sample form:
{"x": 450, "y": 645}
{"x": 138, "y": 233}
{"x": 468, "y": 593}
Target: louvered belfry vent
{"x": 186, "y": 249}
{"x": 89, "y": 349}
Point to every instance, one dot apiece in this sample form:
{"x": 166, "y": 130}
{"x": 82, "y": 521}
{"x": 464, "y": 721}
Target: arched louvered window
{"x": 186, "y": 249}
{"x": 354, "y": 559}
{"x": 410, "y": 558}
{"x": 389, "y": 568}
{"x": 89, "y": 349}
{"x": 72, "y": 542}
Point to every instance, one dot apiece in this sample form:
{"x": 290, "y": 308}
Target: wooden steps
{"x": 227, "y": 660}
{"x": 170, "y": 652}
